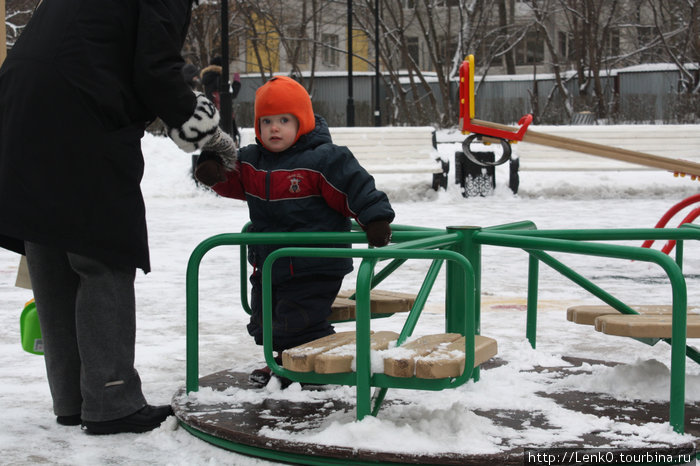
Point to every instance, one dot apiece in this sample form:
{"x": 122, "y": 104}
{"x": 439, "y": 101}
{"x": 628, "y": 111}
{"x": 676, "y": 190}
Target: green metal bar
{"x": 610, "y": 234}
{"x": 385, "y": 272}
{"x": 275, "y": 455}
{"x": 192, "y": 320}
{"x": 583, "y": 282}
{"x": 521, "y": 225}
{"x": 401, "y": 233}
{"x": 192, "y": 280}
{"x": 434, "y": 241}
{"x": 455, "y": 302}
{"x": 378, "y": 400}
{"x": 679, "y": 253}
{"x": 419, "y": 303}
{"x": 402, "y": 228}
{"x": 412, "y": 320}
{"x": 454, "y": 305}
{"x": 691, "y": 352}
{"x": 243, "y": 278}
{"x": 420, "y": 384}
{"x": 591, "y": 287}
{"x": 532, "y": 295}
{"x": 678, "y": 291}
{"x": 362, "y": 339}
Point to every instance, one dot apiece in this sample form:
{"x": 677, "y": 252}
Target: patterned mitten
{"x": 194, "y": 133}
{"x": 223, "y": 146}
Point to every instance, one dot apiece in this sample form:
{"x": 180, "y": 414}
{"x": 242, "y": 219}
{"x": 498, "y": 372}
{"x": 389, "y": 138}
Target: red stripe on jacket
{"x": 284, "y": 185}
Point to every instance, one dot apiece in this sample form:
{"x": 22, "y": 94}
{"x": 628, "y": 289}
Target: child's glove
{"x": 210, "y": 170}
{"x": 218, "y": 157}
{"x": 378, "y": 233}
{"x": 223, "y": 148}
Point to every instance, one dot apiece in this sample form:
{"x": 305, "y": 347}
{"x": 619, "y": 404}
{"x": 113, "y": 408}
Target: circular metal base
{"x": 237, "y": 426}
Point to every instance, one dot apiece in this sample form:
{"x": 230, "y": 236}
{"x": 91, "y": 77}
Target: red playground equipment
{"x": 695, "y": 213}
{"x": 489, "y": 132}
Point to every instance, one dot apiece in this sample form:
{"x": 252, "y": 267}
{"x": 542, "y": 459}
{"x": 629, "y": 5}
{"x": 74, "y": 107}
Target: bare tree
{"x": 204, "y": 35}
{"x": 677, "y": 26}
{"x": 419, "y": 74}
{"x": 595, "y": 26}
{"x": 544, "y": 11}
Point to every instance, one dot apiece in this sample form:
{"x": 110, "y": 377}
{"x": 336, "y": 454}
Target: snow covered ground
{"x": 180, "y": 215}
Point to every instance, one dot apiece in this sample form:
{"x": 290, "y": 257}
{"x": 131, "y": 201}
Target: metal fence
{"x": 643, "y": 94}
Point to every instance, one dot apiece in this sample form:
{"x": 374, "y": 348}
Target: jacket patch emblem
{"x": 294, "y": 181}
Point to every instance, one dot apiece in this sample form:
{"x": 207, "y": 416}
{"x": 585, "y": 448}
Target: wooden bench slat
{"x": 427, "y": 357}
{"x": 381, "y": 302}
{"x": 645, "y": 326}
{"x": 342, "y": 309}
{"x": 449, "y": 361}
{"x": 586, "y": 314}
{"x": 339, "y": 359}
{"x": 386, "y": 302}
{"x": 404, "y": 365}
{"x": 301, "y": 358}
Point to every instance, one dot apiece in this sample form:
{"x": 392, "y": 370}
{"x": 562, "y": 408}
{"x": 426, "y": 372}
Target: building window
{"x": 612, "y": 44}
{"x": 330, "y": 49}
{"x": 531, "y": 49}
{"x": 447, "y": 48}
{"x": 299, "y": 51}
{"x": 412, "y": 52}
{"x": 566, "y": 46}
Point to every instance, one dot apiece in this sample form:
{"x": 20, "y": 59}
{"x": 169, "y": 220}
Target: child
{"x": 294, "y": 179}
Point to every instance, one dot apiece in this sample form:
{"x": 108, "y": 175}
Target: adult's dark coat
{"x": 76, "y": 92}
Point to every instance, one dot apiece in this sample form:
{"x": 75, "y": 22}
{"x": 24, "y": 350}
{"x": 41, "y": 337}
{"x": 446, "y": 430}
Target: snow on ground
{"x": 180, "y": 215}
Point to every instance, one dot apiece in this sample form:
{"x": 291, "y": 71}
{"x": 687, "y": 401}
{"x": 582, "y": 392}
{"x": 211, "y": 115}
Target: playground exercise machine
{"x": 488, "y": 133}
{"x": 459, "y": 250}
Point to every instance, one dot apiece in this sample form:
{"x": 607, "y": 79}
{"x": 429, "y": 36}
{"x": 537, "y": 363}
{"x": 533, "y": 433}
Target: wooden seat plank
{"x": 342, "y": 309}
{"x": 301, "y": 358}
{"x": 449, "y": 361}
{"x": 427, "y": 357}
{"x": 385, "y": 302}
{"x": 403, "y": 364}
{"x": 586, "y": 314}
{"x": 645, "y": 326}
{"x": 339, "y": 359}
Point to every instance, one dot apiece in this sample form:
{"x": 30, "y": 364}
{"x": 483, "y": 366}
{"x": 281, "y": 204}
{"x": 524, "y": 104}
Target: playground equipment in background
{"x": 488, "y": 132}
{"x": 695, "y": 213}
{"x": 459, "y": 249}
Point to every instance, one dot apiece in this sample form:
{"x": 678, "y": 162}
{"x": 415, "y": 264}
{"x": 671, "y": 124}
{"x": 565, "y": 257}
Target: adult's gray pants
{"x": 87, "y": 312}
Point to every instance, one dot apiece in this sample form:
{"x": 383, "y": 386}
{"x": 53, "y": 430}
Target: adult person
{"x": 76, "y": 92}
{"x": 210, "y": 78}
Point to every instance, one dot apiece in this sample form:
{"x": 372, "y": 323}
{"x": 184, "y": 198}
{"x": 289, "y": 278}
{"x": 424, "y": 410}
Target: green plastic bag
{"x": 29, "y": 329}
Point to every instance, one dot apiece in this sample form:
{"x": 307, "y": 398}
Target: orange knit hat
{"x": 284, "y": 95}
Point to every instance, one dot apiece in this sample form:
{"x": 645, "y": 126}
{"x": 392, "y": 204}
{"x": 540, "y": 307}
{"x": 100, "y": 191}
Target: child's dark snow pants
{"x": 300, "y": 310}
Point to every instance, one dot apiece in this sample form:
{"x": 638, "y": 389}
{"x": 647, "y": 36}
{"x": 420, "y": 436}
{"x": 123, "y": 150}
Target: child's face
{"x": 278, "y": 132}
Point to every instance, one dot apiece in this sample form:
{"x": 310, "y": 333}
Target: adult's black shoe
{"x": 72, "y": 420}
{"x": 145, "y": 419}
